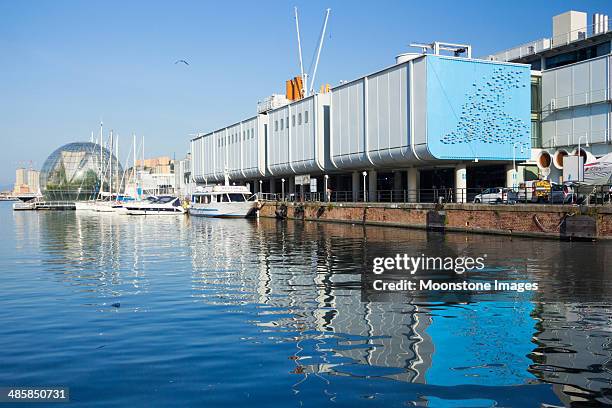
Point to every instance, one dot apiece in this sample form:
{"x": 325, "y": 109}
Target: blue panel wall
{"x": 477, "y": 109}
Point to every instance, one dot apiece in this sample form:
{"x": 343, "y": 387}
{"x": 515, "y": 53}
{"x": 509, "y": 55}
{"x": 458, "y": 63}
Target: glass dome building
{"x": 73, "y": 172}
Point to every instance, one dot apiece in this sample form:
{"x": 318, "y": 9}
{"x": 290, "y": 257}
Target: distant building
{"x": 157, "y": 165}
{"x": 182, "y": 174}
{"x": 26, "y": 181}
{"x": 21, "y": 176}
{"x": 34, "y": 181}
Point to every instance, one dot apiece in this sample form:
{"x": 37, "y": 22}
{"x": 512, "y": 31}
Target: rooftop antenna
{"x": 297, "y": 29}
{"x": 321, "y": 39}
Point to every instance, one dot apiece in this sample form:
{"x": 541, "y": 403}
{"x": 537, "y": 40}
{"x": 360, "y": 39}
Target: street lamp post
{"x": 283, "y": 188}
{"x": 260, "y": 188}
{"x": 326, "y": 194}
{"x": 364, "y": 174}
{"x": 586, "y": 145}
{"x": 514, "y": 172}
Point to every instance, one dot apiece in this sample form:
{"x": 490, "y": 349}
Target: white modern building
{"x": 427, "y": 122}
{"x": 572, "y": 99}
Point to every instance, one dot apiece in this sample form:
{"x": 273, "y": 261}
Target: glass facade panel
{"x": 72, "y": 172}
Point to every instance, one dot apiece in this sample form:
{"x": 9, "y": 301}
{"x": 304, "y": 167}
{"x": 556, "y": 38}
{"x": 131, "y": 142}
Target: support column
{"x": 412, "y": 186}
{"x": 460, "y": 183}
{"x": 397, "y": 181}
{"x": 290, "y": 187}
{"x": 511, "y": 177}
{"x": 256, "y": 187}
{"x": 272, "y": 185}
{"x": 372, "y": 185}
{"x": 355, "y": 185}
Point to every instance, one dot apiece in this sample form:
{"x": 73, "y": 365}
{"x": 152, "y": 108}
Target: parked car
{"x": 496, "y": 195}
{"x": 560, "y": 194}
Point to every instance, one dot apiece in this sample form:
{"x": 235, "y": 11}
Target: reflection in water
{"x": 298, "y": 285}
{"x": 306, "y": 281}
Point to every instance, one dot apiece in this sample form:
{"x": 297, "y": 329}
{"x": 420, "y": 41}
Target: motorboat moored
{"x": 223, "y": 201}
{"x": 161, "y": 205}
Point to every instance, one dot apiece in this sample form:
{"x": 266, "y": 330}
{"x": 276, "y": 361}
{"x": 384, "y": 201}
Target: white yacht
{"x": 89, "y": 205}
{"x": 98, "y": 206}
{"x": 161, "y": 205}
{"x": 223, "y": 201}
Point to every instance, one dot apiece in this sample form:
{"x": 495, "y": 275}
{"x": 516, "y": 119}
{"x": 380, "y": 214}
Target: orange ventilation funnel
{"x": 294, "y": 89}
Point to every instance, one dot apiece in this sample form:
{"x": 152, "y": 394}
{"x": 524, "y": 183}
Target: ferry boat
{"x": 161, "y": 205}
{"x": 223, "y": 201}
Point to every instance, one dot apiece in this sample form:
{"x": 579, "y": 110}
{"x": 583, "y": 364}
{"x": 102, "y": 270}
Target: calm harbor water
{"x": 146, "y": 311}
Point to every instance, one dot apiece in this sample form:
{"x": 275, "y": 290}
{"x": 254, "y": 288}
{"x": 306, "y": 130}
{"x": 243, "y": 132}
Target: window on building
{"x": 293, "y": 120}
{"x": 252, "y": 133}
{"x": 282, "y": 127}
{"x": 536, "y": 105}
{"x": 299, "y": 119}
{"x": 577, "y": 55}
{"x": 276, "y": 125}
{"x": 536, "y": 65}
{"x": 536, "y": 134}
{"x": 305, "y": 116}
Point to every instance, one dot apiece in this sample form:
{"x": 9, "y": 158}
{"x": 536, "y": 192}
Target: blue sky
{"x": 66, "y": 64}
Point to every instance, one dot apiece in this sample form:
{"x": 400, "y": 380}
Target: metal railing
{"x": 590, "y": 195}
{"x": 571, "y": 139}
{"x": 543, "y": 44}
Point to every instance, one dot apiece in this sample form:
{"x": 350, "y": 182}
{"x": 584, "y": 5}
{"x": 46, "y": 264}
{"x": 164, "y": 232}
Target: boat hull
{"x": 85, "y": 205}
{"x": 153, "y": 211}
{"x": 223, "y": 210}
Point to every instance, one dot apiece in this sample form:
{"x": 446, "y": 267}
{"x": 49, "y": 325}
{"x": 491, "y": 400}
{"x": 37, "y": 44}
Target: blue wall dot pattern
{"x": 478, "y": 110}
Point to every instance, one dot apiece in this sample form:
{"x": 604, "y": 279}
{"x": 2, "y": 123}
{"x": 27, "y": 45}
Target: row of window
{"x": 235, "y": 137}
{"x": 283, "y": 122}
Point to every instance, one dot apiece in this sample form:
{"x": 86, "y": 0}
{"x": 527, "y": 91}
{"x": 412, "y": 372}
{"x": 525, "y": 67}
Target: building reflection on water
{"x": 306, "y": 279}
{"x": 303, "y": 279}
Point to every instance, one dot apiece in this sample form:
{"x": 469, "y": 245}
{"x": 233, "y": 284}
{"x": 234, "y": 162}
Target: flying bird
{"x": 181, "y": 61}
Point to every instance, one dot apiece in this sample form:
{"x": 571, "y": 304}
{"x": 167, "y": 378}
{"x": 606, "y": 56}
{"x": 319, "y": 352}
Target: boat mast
{"x": 134, "y": 161}
{"x": 143, "y": 166}
{"x": 110, "y": 165}
{"x": 117, "y": 181}
{"x": 101, "y": 162}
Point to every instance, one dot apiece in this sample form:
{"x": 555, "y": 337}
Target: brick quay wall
{"x": 545, "y": 221}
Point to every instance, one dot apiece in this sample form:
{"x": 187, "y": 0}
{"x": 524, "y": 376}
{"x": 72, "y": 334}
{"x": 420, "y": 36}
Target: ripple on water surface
{"x": 177, "y": 311}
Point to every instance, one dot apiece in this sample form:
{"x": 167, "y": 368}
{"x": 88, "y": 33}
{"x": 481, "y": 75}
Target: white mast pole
{"x": 143, "y": 166}
{"x": 297, "y": 29}
{"x": 134, "y": 161}
{"x": 110, "y": 165}
{"x": 101, "y": 161}
{"x": 117, "y": 181}
{"x": 314, "y": 74}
